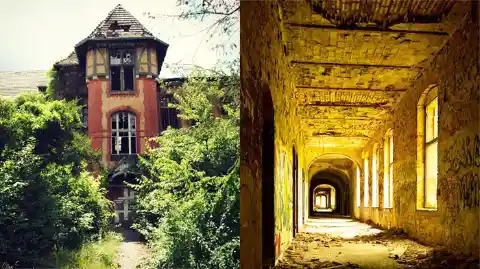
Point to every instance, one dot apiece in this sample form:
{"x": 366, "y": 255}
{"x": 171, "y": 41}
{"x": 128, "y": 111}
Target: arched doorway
{"x": 124, "y": 172}
{"x": 268, "y": 184}
{"x": 324, "y": 198}
{"x": 333, "y": 190}
{"x": 123, "y": 197}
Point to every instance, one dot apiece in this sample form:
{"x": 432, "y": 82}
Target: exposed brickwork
{"x": 95, "y": 130}
{"x": 102, "y": 103}
{"x": 151, "y": 107}
{"x": 384, "y": 48}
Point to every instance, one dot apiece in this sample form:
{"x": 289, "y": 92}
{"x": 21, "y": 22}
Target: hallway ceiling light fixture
{"x": 350, "y": 13}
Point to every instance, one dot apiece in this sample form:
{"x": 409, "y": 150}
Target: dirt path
{"x": 344, "y": 243}
{"x": 131, "y": 250}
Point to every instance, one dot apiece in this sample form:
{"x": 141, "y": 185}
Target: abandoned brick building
{"x": 113, "y": 73}
{"x": 367, "y": 110}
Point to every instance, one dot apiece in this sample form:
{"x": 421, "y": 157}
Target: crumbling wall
{"x": 264, "y": 70}
{"x": 455, "y": 223}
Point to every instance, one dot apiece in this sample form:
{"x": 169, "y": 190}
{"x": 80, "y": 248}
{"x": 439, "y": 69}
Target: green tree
{"x": 47, "y": 197}
{"x": 188, "y": 197}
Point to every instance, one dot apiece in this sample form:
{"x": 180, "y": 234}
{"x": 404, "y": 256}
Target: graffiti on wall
{"x": 462, "y": 160}
{"x": 283, "y": 191}
{"x": 469, "y": 187}
{"x": 465, "y": 152}
{"x": 283, "y": 197}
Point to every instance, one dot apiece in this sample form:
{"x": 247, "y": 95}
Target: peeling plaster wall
{"x": 456, "y": 71}
{"x": 283, "y": 198}
{"x": 264, "y": 69}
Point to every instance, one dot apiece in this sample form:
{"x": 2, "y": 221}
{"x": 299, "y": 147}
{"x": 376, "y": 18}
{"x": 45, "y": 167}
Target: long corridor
{"x": 367, "y": 109}
{"x": 346, "y": 243}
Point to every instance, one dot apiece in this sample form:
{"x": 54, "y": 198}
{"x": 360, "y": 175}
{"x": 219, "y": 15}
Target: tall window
{"x": 122, "y": 70}
{"x": 431, "y": 141}
{"x": 388, "y": 170}
{"x": 365, "y": 187}
{"x": 358, "y": 187}
{"x": 375, "y": 176}
{"x": 124, "y": 137}
{"x": 168, "y": 115}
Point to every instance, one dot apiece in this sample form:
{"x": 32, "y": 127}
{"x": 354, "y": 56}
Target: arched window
{"x": 375, "y": 158}
{"x": 388, "y": 170}
{"x": 427, "y": 150}
{"x": 365, "y": 186}
{"x": 124, "y": 136}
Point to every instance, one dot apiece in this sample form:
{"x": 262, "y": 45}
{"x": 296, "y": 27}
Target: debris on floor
{"x": 387, "y": 249}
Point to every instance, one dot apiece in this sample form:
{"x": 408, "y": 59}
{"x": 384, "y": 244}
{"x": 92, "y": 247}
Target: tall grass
{"x": 94, "y": 255}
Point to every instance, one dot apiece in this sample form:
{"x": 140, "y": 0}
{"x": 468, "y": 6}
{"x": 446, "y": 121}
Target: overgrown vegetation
{"x": 188, "y": 197}
{"x": 92, "y": 255}
{"x": 48, "y": 200}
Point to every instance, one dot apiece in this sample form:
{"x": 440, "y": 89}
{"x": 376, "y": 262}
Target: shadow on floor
{"x": 130, "y": 235}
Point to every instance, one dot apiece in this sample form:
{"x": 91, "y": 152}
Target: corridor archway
{"x": 336, "y": 190}
{"x": 324, "y": 198}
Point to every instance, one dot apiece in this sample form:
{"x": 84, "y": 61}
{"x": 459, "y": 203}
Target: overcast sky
{"x": 36, "y": 34}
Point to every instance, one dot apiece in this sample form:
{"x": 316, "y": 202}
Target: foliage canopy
{"x": 47, "y": 198}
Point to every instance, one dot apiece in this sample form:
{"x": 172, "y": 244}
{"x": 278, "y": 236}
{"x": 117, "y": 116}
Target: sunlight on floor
{"x": 344, "y": 228}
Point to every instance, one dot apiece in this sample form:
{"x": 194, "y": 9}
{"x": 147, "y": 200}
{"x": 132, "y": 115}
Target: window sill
{"x": 123, "y": 92}
{"x": 118, "y": 157}
{"x": 427, "y": 209}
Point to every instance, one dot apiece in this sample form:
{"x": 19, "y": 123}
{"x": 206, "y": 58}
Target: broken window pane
{"x": 129, "y": 78}
{"x": 115, "y": 58}
{"x": 123, "y": 133}
{"x": 133, "y": 143}
{"x": 127, "y": 58}
{"x": 122, "y": 70}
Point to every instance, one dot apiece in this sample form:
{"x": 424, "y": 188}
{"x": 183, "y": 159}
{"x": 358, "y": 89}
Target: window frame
{"x": 375, "y": 185}
{"x": 388, "y": 162}
{"x": 427, "y": 137}
{"x": 117, "y": 130}
{"x": 366, "y": 194}
{"x": 122, "y": 66}
{"x": 172, "y": 113}
{"x": 429, "y": 143}
{"x": 359, "y": 186}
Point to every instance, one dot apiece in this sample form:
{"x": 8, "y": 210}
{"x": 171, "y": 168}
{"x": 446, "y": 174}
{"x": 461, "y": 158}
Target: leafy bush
{"x": 188, "y": 197}
{"x": 93, "y": 255}
{"x": 47, "y": 198}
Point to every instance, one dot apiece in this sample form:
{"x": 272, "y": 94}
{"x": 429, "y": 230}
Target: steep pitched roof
{"x": 120, "y": 22}
{"x": 71, "y": 59}
{"x": 13, "y": 84}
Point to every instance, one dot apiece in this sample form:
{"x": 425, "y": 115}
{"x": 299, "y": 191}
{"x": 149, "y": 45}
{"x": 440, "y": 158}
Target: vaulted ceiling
{"x": 351, "y": 69}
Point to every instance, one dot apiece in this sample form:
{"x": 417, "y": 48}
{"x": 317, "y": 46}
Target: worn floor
{"x": 131, "y": 250}
{"x": 345, "y": 243}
